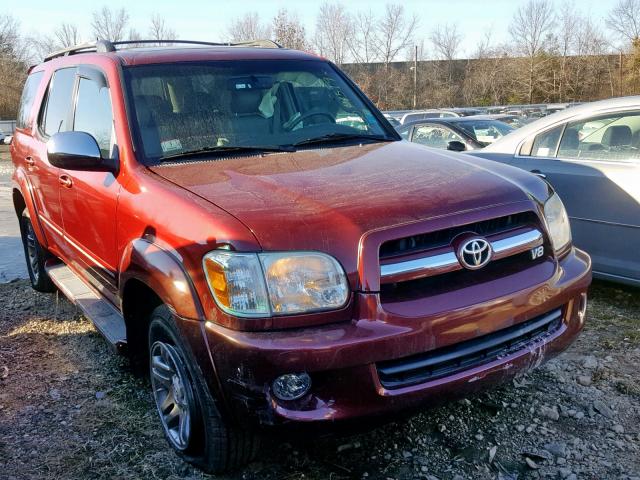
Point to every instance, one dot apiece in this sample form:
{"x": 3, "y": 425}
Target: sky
{"x": 208, "y": 19}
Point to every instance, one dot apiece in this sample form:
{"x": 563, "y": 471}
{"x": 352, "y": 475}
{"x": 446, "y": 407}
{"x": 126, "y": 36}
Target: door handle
{"x": 65, "y": 181}
{"x": 538, "y": 173}
{"x": 29, "y": 161}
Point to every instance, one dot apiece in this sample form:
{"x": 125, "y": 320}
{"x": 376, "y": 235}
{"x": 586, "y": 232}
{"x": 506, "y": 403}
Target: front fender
{"x": 21, "y": 186}
{"x": 163, "y": 272}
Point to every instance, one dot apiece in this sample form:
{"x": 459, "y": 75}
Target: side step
{"x": 104, "y": 316}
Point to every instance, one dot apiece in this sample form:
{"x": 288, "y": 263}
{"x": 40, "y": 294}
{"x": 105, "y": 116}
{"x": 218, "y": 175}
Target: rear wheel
{"x": 190, "y": 419}
{"x": 35, "y": 255}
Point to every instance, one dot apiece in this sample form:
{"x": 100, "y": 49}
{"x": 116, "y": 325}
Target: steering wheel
{"x": 315, "y": 112}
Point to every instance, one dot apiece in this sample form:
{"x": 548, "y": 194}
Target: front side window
{"x": 435, "y": 136}
{"x": 93, "y": 113}
{"x": 612, "y": 137}
{"x": 27, "y": 99}
{"x": 190, "y": 107}
{"x": 58, "y": 105}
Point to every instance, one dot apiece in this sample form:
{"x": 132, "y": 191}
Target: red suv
{"x": 243, "y": 220}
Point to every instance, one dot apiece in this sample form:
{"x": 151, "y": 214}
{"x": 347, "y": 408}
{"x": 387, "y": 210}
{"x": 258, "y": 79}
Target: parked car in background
{"x": 268, "y": 266}
{"x": 591, "y": 155}
{"x": 459, "y": 133}
{"x": 416, "y": 115}
{"x": 392, "y": 120}
{"x": 2, "y": 137}
{"x": 514, "y": 121}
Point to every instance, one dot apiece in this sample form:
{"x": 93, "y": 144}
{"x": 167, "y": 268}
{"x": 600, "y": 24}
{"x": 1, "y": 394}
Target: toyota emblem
{"x": 474, "y": 253}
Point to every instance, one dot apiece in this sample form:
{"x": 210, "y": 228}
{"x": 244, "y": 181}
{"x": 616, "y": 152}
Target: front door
{"x": 89, "y": 199}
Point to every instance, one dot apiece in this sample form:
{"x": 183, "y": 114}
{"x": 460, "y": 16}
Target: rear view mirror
{"x": 7, "y": 140}
{"x": 456, "y": 146}
{"x": 77, "y": 151}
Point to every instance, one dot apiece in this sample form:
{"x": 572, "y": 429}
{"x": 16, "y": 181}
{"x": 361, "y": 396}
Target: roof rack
{"x": 103, "y": 46}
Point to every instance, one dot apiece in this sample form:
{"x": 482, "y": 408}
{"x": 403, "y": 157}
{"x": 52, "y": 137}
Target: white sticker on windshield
{"x": 171, "y": 145}
{"x": 542, "y": 152}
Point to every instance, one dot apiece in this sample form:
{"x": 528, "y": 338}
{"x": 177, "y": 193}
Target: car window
{"x": 181, "y": 108}
{"x": 93, "y": 113}
{"x": 613, "y": 137}
{"x": 485, "y": 131}
{"x": 435, "y": 136}
{"x": 27, "y": 99}
{"x": 58, "y": 105}
{"x": 546, "y": 143}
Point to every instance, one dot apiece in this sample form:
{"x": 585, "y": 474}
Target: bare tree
{"x": 158, "y": 29}
{"x": 362, "y": 41}
{"x": 624, "y": 19}
{"x": 9, "y": 36}
{"x": 394, "y": 32}
{"x": 334, "y": 27}
{"x": 67, "y": 35}
{"x": 13, "y": 65}
{"x": 248, "y": 27}
{"x": 289, "y": 31}
{"x": 530, "y": 32}
{"x": 446, "y": 41}
{"x": 110, "y": 24}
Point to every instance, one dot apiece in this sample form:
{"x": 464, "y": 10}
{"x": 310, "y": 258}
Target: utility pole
{"x": 415, "y": 78}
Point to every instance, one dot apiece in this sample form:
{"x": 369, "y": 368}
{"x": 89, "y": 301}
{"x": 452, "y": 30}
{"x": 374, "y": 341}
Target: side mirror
{"x": 456, "y": 146}
{"x": 7, "y": 140}
{"x": 78, "y": 151}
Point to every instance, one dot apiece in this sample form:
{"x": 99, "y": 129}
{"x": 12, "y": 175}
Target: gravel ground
{"x": 69, "y": 408}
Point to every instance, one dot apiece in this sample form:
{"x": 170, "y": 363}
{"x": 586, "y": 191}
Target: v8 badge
{"x": 537, "y": 252}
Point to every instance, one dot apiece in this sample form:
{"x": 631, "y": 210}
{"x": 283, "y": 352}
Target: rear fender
{"x": 22, "y": 187}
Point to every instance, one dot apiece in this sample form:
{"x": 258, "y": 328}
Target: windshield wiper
{"x": 336, "y": 137}
{"x": 229, "y": 149}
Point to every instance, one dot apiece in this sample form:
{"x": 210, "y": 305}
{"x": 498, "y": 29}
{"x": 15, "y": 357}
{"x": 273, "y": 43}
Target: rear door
{"x": 89, "y": 199}
{"x": 436, "y": 136}
{"x": 54, "y": 117}
{"x": 594, "y": 165}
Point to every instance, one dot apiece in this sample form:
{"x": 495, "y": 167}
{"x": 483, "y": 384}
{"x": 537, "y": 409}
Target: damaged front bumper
{"x": 349, "y": 362}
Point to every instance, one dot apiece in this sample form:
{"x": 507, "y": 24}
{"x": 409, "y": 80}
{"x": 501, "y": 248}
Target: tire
{"x": 207, "y": 442}
{"x": 35, "y": 255}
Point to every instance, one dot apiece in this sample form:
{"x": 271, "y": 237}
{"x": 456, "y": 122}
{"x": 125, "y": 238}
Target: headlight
{"x": 265, "y": 284}
{"x": 557, "y": 223}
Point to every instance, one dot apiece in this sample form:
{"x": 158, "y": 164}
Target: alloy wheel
{"x": 32, "y": 250}
{"x": 173, "y": 393}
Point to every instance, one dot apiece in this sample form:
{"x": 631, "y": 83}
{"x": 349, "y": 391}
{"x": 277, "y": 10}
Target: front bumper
{"x": 341, "y": 358}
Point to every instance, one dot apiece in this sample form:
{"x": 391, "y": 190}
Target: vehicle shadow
{"x": 12, "y": 261}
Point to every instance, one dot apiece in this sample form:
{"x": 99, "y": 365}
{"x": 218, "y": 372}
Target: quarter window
{"x": 546, "y": 144}
{"x": 27, "y": 99}
{"x": 56, "y": 116}
{"x": 93, "y": 113}
{"x": 612, "y": 137}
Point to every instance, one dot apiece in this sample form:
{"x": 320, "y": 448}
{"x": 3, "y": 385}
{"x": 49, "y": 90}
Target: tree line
{"x": 554, "y": 53}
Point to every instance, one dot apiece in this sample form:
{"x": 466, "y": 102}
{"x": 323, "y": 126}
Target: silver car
{"x": 591, "y": 156}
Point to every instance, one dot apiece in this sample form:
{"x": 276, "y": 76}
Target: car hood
{"x": 326, "y": 199}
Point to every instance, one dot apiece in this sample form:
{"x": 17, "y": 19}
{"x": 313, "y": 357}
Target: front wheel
{"x": 190, "y": 419}
{"x": 35, "y": 256}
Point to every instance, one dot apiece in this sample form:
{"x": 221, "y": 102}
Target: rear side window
{"x": 27, "y": 99}
{"x": 56, "y": 115}
{"x": 615, "y": 137}
{"x": 93, "y": 113}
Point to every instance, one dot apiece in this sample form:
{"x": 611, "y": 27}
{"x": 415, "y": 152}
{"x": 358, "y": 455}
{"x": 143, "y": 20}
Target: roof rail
{"x": 103, "y": 46}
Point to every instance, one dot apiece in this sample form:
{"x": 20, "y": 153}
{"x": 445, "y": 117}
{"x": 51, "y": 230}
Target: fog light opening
{"x": 582, "y": 307}
{"x": 291, "y": 386}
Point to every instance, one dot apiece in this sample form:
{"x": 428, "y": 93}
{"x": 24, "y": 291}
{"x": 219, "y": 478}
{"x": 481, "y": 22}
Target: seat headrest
{"x": 246, "y": 101}
{"x": 149, "y": 108}
{"x": 617, "y": 136}
{"x": 570, "y": 140}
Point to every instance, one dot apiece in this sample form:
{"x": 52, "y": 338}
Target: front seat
{"x": 617, "y": 136}
{"x": 247, "y": 118}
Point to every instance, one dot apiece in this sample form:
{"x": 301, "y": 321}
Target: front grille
{"x": 443, "y": 238}
{"x": 449, "y": 360}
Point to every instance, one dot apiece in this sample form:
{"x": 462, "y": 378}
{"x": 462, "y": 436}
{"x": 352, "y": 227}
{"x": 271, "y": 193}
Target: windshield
{"x": 223, "y": 105}
{"x": 485, "y": 131}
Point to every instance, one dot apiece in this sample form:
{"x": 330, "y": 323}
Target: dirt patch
{"x": 70, "y": 408}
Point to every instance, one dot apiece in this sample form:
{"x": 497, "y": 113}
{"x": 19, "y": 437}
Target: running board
{"x": 107, "y": 320}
